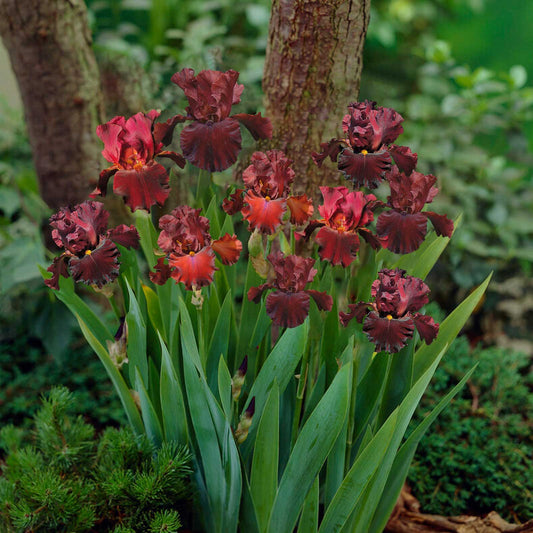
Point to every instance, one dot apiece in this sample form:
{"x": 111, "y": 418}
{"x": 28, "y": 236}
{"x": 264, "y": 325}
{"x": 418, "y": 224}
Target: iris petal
{"x": 193, "y": 270}
{"x": 98, "y": 267}
{"x": 212, "y": 146}
{"x": 365, "y": 170}
{"x": 401, "y": 233}
{"x": 336, "y": 247}
{"x": 389, "y": 335}
{"x": 142, "y": 188}
{"x": 286, "y": 309}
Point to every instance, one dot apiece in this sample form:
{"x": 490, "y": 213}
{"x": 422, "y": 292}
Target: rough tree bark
{"x": 312, "y": 72}
{"x": 49, "y": 43}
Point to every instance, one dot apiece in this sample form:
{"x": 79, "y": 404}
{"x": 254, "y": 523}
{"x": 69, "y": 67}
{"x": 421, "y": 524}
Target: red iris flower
{"x": 213, "y": 140}
{"x": 391, "y": 319}
{"x": 288, "y": 304}
{"x": 131, "y": 145}
{"x": 268, "y": 182}
{"x": 344, "y": 217}
{"x": 365, "y": 154}
{"x": 186, "y": 241}
{"x": 91, "y": 254}
{"x": 403, "y": 228}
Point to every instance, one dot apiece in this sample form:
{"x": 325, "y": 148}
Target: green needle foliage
{"x": 69, "y": 480}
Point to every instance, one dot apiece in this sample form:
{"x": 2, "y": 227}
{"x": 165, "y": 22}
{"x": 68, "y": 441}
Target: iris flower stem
{"x": 203, "y": 185}
{"x": 300, "y": 395}
{"x": 114, "y": 306}
{"x": 351, "y": 414}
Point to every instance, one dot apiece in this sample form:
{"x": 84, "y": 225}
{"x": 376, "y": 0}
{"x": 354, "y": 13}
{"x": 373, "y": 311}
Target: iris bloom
{"x": 131, "y": 145}
{"x": 91, "y": 254}
{"x": 190, "y": 250}
{"x": 268, "y": 183}
{"x": 344, "y": 217}
{"x": 391, "y": 319}
{"x": 213, "y": 140}
{"x": 288, "y": 304}
{"x": 403, "y": 228}
{"x": 364, "y": 155}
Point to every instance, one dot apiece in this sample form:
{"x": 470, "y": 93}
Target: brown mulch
{"x": 407, "y": 518}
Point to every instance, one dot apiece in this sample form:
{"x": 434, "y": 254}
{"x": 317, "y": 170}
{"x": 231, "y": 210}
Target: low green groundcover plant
{"x": 478, "y": 456}
{"x": 68, "y": 480}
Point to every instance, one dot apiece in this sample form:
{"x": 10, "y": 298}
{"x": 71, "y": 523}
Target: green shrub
{"x": 478, "y": 456}
{"x": 67, "y": 480}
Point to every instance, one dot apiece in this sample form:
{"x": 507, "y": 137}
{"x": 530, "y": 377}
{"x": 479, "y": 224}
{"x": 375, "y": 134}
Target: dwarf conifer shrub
{"x": 62, "y": 478}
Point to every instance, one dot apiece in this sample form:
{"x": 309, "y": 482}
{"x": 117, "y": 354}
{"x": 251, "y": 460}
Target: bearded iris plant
{"x": 309, "y": 430}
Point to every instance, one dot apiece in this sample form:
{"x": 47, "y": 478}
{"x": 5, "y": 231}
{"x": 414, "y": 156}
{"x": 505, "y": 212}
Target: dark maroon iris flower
{"x": 403, "y": 228}
{"x": 288, "y": 304}
{"x": 391, "y": 319}
{"x": 190, "y": 250}
{"x": 131, "y": 145}
{"x": 344, "y": 217}
{"x": 91, "y": 254}
{"x": 364, "y": 155}
{"x": 268, "y": 183}
{"x": 213, "y": 140}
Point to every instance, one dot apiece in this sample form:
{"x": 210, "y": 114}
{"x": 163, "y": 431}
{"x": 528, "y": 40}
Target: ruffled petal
{"x": 98, "y": 266}
{"x": 260, "y": 127}
{"x": 126, "y": 236}
{"x": 403, "y": 157}
{"x": 336, "y": 247}
{"x": 110, "y": 135}
{"x": 163, "y": 131}
{"x": 212, "y": 146}
{"x": 287, "y": 309}
{"x": 331, "y": 149}
{"x": 234, "y": 203}
{"x": 301, "y": 208}
{"x": 401, "y": 233}
{"x": 263, "y": 214}
{"x": 365, "y": 170}
{"x": 442, "y": 224}
{"x": 427, "y": 327}
{"x": 57, "y": 268}
{"x": 357, "y": 311}
{"x": 228, "y": 249}
{"x": 138, "y": 134}
{"x": 162, "y": 272}
{"x": 193, "y": 270}
{"x": 105, "y": 176}
{"x": 323, "y": 300}
{"x": 142, "y": 188}
{"x": 333, "y": 198}
{"x": 370, "y": 238}
{"x": 177, "y": 158}
{"x": 388, "y": 334}
{"x": 255, "y": 293}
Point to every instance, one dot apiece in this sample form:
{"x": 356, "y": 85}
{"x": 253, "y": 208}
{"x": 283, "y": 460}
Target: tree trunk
{"x": 49, "y": 43}
{"x": 312, "y": 72}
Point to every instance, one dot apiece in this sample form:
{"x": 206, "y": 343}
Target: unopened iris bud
{"x": 237, "y": 381}
{"x": 117, "y": 349}
{"x": 255, "y": 244}
{"x": 245, "y": 423}
{"x": 197, "y": 299}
